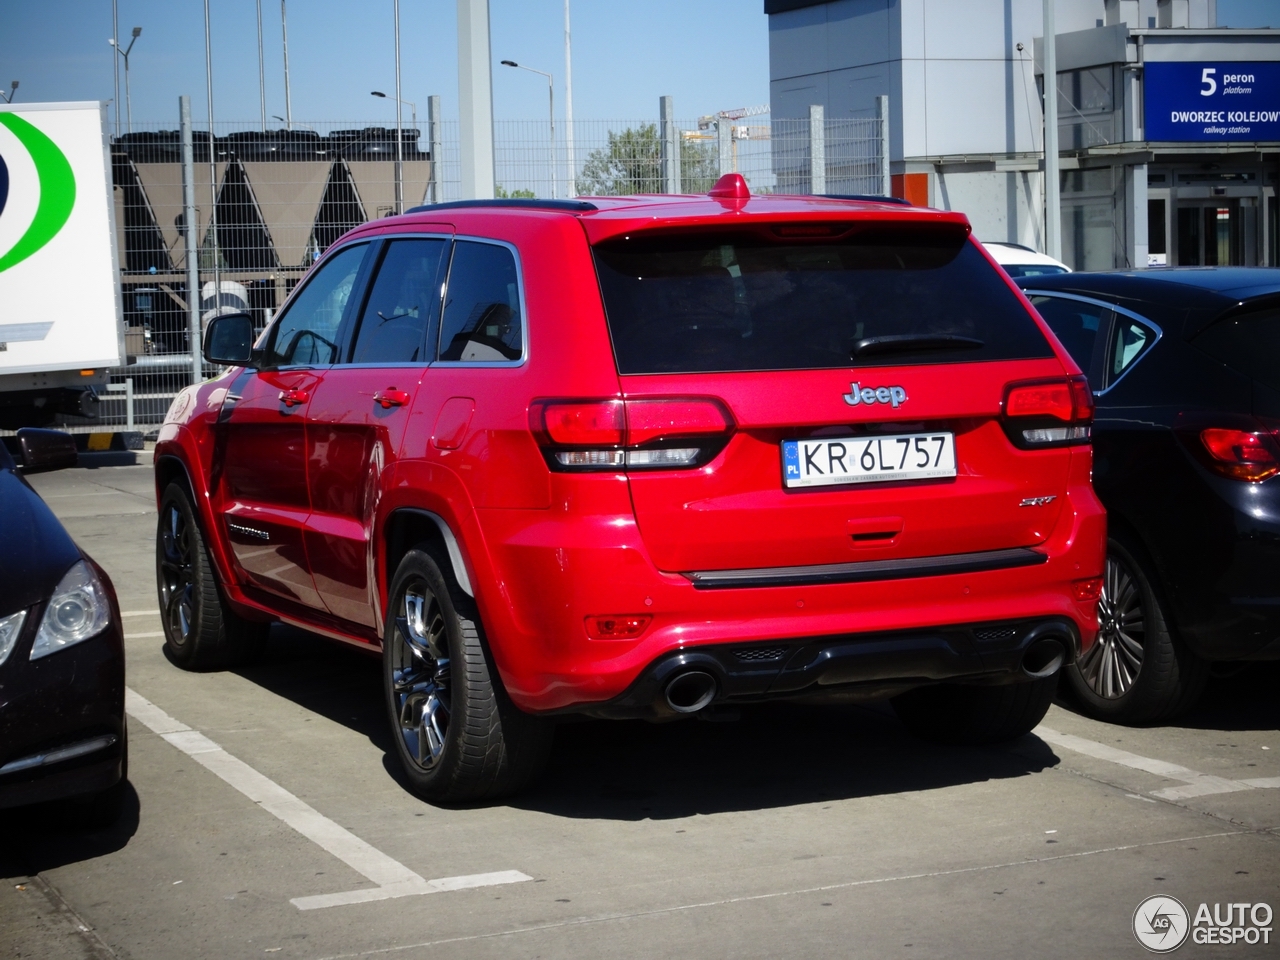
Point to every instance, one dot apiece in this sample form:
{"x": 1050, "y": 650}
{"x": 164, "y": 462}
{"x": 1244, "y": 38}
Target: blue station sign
{"x": 1216, "y": 101}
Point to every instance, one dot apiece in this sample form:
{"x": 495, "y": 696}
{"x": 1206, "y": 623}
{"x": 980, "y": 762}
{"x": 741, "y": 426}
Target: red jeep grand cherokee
{"x": 642, "y": 457}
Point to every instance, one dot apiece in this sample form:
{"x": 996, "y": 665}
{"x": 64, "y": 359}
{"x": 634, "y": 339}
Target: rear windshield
{"x": 700, "y": 302}
{"x": 1248, "y": 343}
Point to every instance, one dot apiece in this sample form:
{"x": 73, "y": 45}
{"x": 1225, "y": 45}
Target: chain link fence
{"x": 266, "y": 204}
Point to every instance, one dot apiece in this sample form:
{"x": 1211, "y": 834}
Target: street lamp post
{"x": 399, "y": 123}
{"x": 413, "y": 107}
{"x": 128, "y": 104}
{"x": 551, "y": 99}
{"x": 284, "y": 38}
{"x": 13, "y": 89}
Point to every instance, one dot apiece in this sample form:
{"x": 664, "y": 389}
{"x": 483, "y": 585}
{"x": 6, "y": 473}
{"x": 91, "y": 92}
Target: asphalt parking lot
{"x": 267, "y": 819}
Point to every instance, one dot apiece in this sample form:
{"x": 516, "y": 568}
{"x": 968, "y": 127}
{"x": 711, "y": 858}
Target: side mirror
{"x": 228, "y": 340}
{"x": 44, "y": 450}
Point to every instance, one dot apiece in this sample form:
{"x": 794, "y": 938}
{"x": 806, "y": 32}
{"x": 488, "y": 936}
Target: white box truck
{"x": 60, "y": 315}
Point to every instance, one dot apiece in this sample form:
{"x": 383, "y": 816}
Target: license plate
{"x": 824, "y": 461}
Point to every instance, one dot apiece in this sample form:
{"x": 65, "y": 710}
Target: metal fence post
{"x": 882, "y": 114}
{"x": 437, "y": 147}
{"x": 724, "y": 133}
{"x": 817, "y": 150}
{"x": 189, "y": 238}
{"x": 670, "y": 146}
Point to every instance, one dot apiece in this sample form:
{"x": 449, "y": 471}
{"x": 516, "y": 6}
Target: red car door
{"x": 357, "y": 419}
{"x": 262, "y": 490}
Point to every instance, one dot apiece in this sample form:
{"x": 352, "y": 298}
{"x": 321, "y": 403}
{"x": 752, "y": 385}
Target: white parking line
{"x": 393, "y": 878}
{"x": 139, "y": 613}
{"x": 1197, "y": 784}
{"x": 144, "y": 636}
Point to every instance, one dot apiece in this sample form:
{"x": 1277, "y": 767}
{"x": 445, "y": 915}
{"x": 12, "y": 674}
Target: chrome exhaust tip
{"x": 1043, "y": 658}
{"x": 690, "y": 691}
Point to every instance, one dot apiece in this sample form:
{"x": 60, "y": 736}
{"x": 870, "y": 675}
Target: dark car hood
{"x": 35, "y": 549}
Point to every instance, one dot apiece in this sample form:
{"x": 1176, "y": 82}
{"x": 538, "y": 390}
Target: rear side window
{"x": 402, "y": 304}
{"x": 1129, "y": 342}
{"x": 701, "y": 303}
{"x": 1249, "y": 343}
{"x": 482, "y": 321}
{"x": 1074, "y": 323}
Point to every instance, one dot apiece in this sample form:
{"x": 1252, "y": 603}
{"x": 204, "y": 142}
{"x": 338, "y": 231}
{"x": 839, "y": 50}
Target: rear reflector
{"x": 642, "y": 434}
{"x": 1241, "y": 454}
{"x": 1049, "y": 413}
{"x": 619, "y": 627}
{"x": 1087, "y": 590}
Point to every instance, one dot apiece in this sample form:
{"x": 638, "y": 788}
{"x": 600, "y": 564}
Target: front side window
{"x": 307, "y": 332}
{"x": 402, "y": 303}
{"x": 1075, "y": 324}
{"x": 482, "y": 312}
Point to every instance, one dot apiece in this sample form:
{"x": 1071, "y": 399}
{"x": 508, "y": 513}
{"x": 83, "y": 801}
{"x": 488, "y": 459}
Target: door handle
{"x": 292, "y": 398}
{"x": 391, "y": 397}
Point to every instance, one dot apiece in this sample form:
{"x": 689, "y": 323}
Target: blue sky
{"x": 709, "y": 54}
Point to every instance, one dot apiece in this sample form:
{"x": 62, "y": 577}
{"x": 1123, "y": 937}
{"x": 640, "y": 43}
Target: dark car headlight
{"x": 10, "y": 629}
{"x": 78, "y": 610}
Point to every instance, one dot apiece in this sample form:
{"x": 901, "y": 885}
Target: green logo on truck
{"x": 57, "y": 190}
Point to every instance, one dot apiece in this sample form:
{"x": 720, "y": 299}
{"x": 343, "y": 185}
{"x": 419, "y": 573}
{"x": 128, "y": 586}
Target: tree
{"x": 631, "y": 162}
{"x": 502, "y": 193}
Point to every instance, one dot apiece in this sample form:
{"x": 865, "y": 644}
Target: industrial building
{"x": 1169, "y": 128}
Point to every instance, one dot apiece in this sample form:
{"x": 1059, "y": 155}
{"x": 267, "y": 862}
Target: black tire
{"x": 962, "y": 714}
{"x": 1138, "y": 671}
{"x": 201, "y": 631}
{"x": 458, "y": 736}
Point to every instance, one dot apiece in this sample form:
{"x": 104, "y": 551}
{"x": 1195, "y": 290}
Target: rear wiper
{"x": 912, "y": 343}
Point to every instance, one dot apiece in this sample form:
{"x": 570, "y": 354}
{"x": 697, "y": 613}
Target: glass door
{"x": 1209, "y": 233}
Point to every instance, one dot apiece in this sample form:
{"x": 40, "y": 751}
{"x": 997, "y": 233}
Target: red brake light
{"x": 1040, "y": 400}
{"x": 617, "y": 627}
{"x": 1067, "y": 401}
{"x": 595, "y": 423}
{"x": 642, "y": 434}
{"x": 1241, "y": 454}
{"x": 654, "y": 419}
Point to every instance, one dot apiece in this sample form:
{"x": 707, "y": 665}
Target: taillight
{"x": 1250, "y": 455}
{"x": 650, "y": 434}
{"x": 1048, "y": 413}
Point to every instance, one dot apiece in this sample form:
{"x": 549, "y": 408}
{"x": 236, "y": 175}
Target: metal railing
{"x": 266, "y": 204}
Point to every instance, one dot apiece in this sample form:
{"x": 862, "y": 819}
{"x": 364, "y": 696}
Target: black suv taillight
{"x": 1048, "y": 413}
{"x": 648, "y": 434}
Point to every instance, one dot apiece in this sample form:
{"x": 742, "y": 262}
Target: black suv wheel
{"x": 201, "y": 631}
{"x": 458, "y": 736}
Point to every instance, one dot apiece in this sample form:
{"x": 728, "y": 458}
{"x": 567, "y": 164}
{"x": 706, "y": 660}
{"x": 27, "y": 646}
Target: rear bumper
{"x": 866, "y": 666}
{"x": 900, "y": 627}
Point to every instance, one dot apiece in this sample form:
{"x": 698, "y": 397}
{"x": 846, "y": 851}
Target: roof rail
{"x": 527, "y": 203}
{"x": 867, "y": 197}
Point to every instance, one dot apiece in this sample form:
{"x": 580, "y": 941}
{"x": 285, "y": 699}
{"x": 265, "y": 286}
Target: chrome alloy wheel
{"x": 177, "y": 577}
{"x": 420, "y": 675}
{"x": 1112, "y": 665}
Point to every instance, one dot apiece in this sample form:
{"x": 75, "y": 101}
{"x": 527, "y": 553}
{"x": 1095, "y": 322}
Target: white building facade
{"x": 1169, "y": 128}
